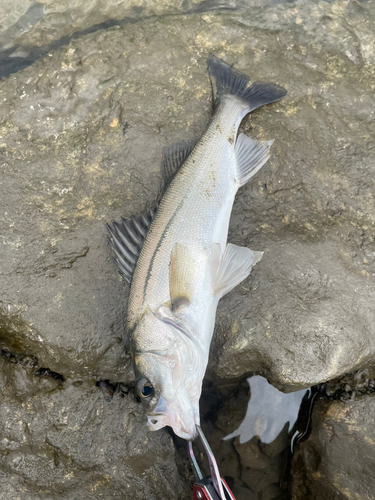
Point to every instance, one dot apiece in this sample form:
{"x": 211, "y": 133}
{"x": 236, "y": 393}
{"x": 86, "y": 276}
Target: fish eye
{"x": 144, "y": 388}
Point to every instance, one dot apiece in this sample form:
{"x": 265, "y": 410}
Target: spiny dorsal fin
{"x": 251, "y": 155}
{"x": 173, "y": 157}
{"x": 181, "y": 277}
{"x": 126, "y": 239}
{"x": 232, "y": 267}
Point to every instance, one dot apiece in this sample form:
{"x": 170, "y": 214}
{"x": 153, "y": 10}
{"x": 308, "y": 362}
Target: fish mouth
{"x": 183, "y": 418}
{"x": 156, "y": 422}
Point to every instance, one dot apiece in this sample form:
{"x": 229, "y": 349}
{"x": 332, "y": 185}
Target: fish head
{"x": 169, "y": 371}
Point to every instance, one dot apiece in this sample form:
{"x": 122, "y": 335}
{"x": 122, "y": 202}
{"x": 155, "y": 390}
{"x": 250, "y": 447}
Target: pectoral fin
{"x": 181, "y": 277}
{"x": 232, "y": 268}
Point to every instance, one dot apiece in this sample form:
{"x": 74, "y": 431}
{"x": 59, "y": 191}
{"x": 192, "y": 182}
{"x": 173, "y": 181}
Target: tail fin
{"x": 226, "y": 80}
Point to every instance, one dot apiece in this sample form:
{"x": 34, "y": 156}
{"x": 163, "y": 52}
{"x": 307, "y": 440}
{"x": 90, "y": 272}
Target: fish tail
{"x": 226, "y": 80}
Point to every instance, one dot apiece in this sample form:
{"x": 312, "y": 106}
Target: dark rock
{"x": 242, "y": 493}
{"x": 225, "y": 402}
{"x": 272, "y": 492}
{"x": 260, "y": 479}
{"x": 350, "y": 385}
{"x": 107, "y": 390}
{"x": 65, "y": 441}
{"x": 250, "y": 454}
{"x": 338, "y": 458}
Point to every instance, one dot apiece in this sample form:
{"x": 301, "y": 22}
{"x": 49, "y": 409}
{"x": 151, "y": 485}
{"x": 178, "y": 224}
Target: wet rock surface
{"x": 338, "y": 459}
{"x": 81, "y": 136}
{"x": 29, "y": 30}
{"x": 62, "y": 440}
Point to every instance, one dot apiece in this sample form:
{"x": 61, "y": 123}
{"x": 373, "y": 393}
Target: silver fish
{"x": 185, "y": 265}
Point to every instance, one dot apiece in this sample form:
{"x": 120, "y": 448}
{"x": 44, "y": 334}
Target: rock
{"x": 73, "y": 129}
{"x": 225, "y": 403}
{"x": 29, "y": 30}
{"x": 338, "y": 459}
{"x": 250, "y": 454}
{"x": 305, "y": 315}
{"x": 260, "y": 480}
{"x": 350, "y": 385}
{"x": 81, "y": 136}
{"x": 242, "y": 493}
{"x": 62, "y": 440}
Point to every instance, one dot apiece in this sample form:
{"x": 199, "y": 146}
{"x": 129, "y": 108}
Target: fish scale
{"x": 185, "y": 264}
{"x": 198, "y": 219}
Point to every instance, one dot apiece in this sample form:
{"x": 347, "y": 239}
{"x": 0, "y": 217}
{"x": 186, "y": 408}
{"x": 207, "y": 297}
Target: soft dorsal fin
{"x": 181, "y": 277}
{"x": 232, "y": 267}
{"x": 173, "y": 157}
{"x": 251, "y": 156}
{"x": 126, "y": 239}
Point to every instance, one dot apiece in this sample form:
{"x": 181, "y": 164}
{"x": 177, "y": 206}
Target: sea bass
{"x": 177, "y": 259}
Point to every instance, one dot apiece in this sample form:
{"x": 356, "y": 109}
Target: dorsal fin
{"x": 173, "y": 157}
{"x": 126, "y": 239}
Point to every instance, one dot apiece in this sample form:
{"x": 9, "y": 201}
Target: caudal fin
{"x": 227, "y": 80}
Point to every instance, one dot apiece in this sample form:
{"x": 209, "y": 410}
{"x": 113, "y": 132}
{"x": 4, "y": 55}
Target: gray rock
{"x": 81, "y": 136}
{"x": 306, "y": 313}
{"x": 74, "y": 127}
{"x": 350, "y": 385}
{"x": 62, "y": 440}
{"x": 251, "y": 455}
{"x": 28, "y": 29}
{"x": 338, "y": 459}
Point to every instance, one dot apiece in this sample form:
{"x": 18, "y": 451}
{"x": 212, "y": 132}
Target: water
{"x": 252, "y": 429}
{"x": 268, "y": 411}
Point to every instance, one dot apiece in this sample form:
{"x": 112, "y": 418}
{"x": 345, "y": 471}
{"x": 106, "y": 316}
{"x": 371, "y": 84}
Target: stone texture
{"x": 350, "y": 385}
{"x": 338, "y": 459}
{"x": 81, "y": 136}
{"x": 306, "y": 313}
{"x": 62, "y": 440}
{"x": 29, "y": 26}
{"x": 73, "y": 132}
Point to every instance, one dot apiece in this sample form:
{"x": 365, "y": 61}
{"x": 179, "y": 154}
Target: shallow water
{"x": 252, "y": 427}
{"x": 268, "y": 411}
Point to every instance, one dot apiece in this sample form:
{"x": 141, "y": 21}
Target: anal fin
{"x": 232, "y": 268}
{"x": 251, "y": 156}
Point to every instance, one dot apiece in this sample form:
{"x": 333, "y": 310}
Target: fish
{"x": 177, "y": 260}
